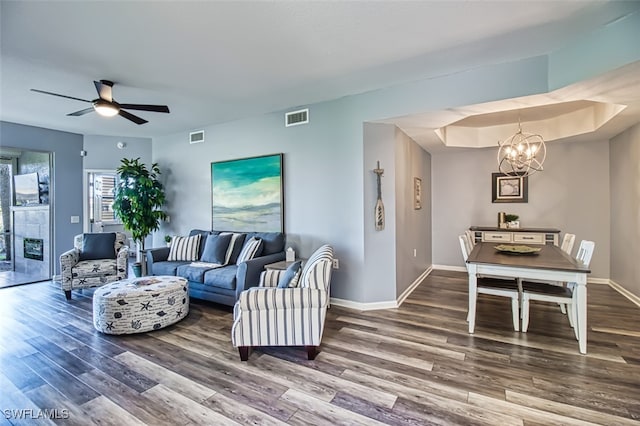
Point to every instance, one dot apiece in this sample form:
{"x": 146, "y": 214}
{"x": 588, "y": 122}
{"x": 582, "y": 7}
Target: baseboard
{"x": 598, "y": 280}
{"x": 623, "y": 291}
{"x": 413, "y": 285}
{"x": 450, "y": 268}
{"x": 364, "y": 306}
{"x": 391, "y": 304}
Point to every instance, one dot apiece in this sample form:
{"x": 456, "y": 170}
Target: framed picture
{"x": 509, "y": 189}
{"x": 417, "y": 193}
{"x": 247, "y": 194}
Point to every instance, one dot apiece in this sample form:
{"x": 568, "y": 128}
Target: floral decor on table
{"x": 512, "y": 220}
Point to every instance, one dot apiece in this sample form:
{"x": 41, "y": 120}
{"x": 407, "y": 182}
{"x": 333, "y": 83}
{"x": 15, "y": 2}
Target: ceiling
{"x": 213, "y": 62}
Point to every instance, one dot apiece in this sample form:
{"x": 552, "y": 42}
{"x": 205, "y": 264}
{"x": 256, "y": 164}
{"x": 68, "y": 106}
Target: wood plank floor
{"x": 415, "y": 365}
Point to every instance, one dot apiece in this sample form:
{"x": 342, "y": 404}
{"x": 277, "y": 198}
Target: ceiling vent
{"x": 196, "y": 137}
{"x": 295, "y": 118}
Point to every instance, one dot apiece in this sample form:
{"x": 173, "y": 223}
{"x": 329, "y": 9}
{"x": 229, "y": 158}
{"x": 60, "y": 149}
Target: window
{"x": 101, "y": 197}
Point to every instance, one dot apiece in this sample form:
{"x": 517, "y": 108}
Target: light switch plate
{"x": 75, "y": 219}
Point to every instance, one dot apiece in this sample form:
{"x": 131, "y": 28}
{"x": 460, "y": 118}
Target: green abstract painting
{"x": 247, "y": 195}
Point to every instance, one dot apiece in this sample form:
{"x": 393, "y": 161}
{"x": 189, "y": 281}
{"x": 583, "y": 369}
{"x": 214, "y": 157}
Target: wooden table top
{"x": 549, "y": 257}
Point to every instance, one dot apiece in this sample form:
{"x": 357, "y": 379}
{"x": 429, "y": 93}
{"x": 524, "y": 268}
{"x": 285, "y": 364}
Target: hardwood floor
{"x": 412, "y": 365}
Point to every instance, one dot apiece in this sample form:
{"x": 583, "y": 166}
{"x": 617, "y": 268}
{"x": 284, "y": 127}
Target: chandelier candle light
{"x": 521, "y": 154}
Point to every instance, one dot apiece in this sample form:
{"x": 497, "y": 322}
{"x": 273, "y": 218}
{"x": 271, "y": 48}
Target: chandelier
{"x": 521, "y": 154}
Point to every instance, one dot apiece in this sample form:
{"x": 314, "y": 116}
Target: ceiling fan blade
{"x": 104, "y": 89}
{"x": 57, "y": 94}
{"x": 81, "y": 112}
{"x": 140, "y": 107}
{"x": 132, "y": 117}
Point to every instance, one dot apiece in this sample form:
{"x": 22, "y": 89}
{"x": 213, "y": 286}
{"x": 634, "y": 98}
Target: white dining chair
{"x": 471, "y": 237}
{"x": 547, "y": 292}
{"x": 567, "y": 243}
{"x": 567, "y": 246}
{"x": 495, "y": 286}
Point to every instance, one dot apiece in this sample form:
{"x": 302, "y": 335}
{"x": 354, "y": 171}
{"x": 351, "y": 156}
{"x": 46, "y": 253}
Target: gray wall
{"x": 389, "y": 264}
{"x": 413, "y": 227}
{"x": 380, "y": 280}
{"x": 327, "y": 181}
{"x": 103, "y": 153}
{"x": 571, "y": 194}
{"x": 625, "y": 209}
{"x": 66, "y": 178}
{"x": 322, "y": 181}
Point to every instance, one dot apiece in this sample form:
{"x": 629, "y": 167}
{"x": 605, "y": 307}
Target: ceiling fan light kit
{"x": 522, "y": 154}
{"x": 106, "y": 109}
{"x": 106, "y": 106}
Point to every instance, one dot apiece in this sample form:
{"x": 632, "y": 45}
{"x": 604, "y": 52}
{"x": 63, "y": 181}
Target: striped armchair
{"x": 271, "y": 316}
{"x": 77, "y": 273}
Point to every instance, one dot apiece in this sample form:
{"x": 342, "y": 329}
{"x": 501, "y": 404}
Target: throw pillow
{"x": 237, "y": 240}
{"x": 251, "y": 249}
{"x": 98, "y": 246}
{"x": 184, "y": 248}
{"x": 287, "y": 279}
{"x": 215, "y": 249}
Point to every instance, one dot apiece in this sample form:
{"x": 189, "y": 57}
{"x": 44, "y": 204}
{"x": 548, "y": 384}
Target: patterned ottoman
{"x": 140, "y": 304}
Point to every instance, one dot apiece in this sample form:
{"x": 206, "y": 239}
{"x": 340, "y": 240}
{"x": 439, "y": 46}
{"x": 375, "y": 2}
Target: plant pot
{"x": 137, "y": 269}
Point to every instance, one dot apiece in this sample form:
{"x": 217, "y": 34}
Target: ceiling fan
{"x": 106, "y": 106}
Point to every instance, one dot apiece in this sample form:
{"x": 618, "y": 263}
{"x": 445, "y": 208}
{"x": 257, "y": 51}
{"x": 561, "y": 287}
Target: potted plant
{"x": 139, "y": 195}
{"x": 512, "y": 220}
{"x": 167, "y": 239}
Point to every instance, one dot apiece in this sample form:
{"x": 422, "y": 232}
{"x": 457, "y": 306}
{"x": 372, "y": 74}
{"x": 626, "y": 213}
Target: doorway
{"x": 25, "y": 216}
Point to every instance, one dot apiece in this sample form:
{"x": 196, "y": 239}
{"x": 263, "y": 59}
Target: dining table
{"x": 550, "y": 263}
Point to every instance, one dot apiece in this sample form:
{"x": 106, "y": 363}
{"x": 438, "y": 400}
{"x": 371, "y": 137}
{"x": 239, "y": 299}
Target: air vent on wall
{"x": 295, "y": 118}
{"x": 196, "y": 137}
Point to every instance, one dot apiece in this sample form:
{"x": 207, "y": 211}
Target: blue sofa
{"x": 221, "y": 285}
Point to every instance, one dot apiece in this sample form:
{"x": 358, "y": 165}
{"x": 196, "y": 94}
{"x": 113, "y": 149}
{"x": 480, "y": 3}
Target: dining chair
{"x": 495, "y": 286}
{"x": 548, "y": 292}
{"x": 567, "y": 243}
{"x": 471, "y": 237}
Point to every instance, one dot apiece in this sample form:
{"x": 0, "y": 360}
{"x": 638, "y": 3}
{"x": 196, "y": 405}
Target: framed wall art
{"x": 509, "y": 189}
{"x": 247, "y": 194}
{"x": 417, "y": 193}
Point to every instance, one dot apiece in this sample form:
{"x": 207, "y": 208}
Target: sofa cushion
{"x": 287, "y": 279}
{"x": 184, "y": 248}
{"x": 98, "y": 246}
{"x": 166, "y": 268}
{"x": 252, "y": 248}
{"x": 193, "y": 273}
{"x": 273, "y": 242}
{"x": 215, "y": 248}
{"x": 222, "y": 277}
{"x": 203, "y": 238}
{"x": 235, "y": 245}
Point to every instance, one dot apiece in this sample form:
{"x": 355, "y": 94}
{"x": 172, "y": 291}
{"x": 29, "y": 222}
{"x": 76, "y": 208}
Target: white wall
{"x": 625, "y": 209}
{"x": 571, "y": 194}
